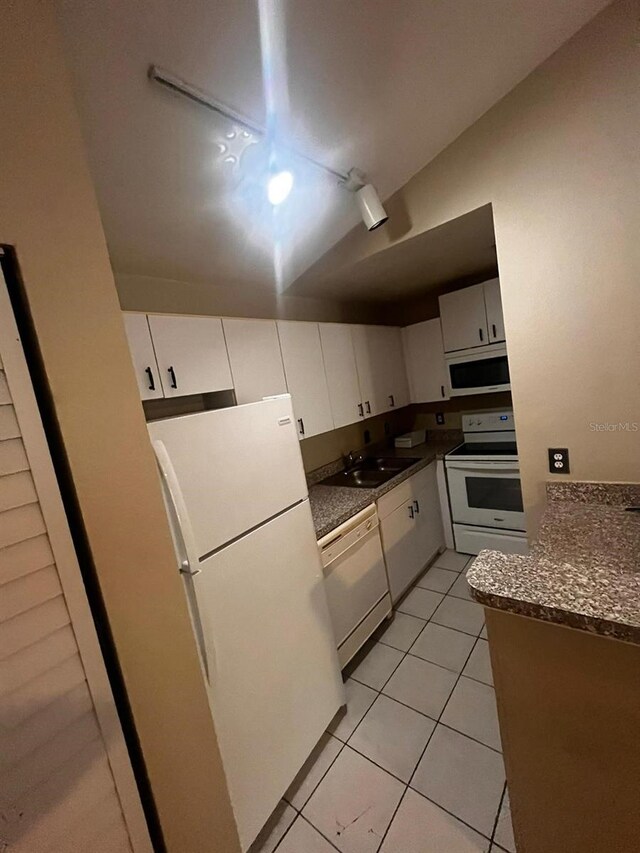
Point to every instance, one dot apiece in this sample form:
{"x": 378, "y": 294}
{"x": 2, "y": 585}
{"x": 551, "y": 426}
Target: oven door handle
{"x": 477, "y": 467}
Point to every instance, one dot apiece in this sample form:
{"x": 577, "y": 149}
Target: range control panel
{"x": 493, "y": 421}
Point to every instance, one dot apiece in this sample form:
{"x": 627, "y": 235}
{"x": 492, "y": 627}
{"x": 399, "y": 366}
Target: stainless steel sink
{"x": 370, "y": 473}
{"x": 387, "y": 463}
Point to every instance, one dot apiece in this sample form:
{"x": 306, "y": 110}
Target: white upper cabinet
{"x": 472, "y": 317}
{"x": 424, "y": 356}
{"x": 493, "y": 304}
{"x": 142, "y": 355}
{"x": 347, "y": 405}
{"x": 192, "y": 355}
{"x": 255, "y": 358}
{"x": 381, "y": 370}
{"x": 464, "y": 318}
{"x": 306, "y": 378}
{"x": 365, "y": 346}
{"x": 392, "y": 367}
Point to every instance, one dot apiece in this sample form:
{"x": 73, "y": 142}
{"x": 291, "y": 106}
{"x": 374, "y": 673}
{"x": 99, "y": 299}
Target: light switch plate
{"x": 559, "y": 460}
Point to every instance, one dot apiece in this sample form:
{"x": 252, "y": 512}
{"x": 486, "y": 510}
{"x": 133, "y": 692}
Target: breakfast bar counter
{"x": 563, "y": 625}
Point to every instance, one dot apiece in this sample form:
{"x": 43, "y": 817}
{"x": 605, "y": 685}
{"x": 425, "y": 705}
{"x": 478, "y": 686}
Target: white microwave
{"x": 481, "y": 370}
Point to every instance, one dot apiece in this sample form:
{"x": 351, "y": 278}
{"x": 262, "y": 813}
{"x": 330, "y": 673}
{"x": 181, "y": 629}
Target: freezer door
{"x": 274, "y": 680}
{"x": 235, "y": 467}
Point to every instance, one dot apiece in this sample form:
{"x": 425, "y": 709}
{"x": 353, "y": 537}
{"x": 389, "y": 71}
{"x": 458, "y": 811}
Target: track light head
{"x": 371, "y": 209}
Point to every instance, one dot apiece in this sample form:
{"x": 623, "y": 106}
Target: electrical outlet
{"x": 387, "y": 428}
{"x": 367, "y": 436}
{"x": 559, "y": 460}
{"x": 440, "y": 418}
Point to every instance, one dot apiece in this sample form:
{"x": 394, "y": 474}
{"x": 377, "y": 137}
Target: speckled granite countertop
{"x": 584, "y": 570}
{"x": 332, "y": 505}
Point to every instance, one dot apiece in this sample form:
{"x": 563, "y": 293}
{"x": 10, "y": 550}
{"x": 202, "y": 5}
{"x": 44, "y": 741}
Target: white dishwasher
{"x": 355, "y": 581}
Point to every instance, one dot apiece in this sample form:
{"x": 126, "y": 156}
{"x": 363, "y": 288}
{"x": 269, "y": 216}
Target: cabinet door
{"x": 306, "y": 379}
{"x": 424, "y": 356}
{"x": 192, "y": 355}
{"x": 366, "y": 345}
{"x": 142, "y": 355}
{"x": 395, "y": 393}
{"x": 464, "y": 319}
{"x": 342, "y": 376}
{"x": 255, "y": 359}
{"x": 401, "y": 546}
{"x": 493, "y": 304}
{"x": 430, "y": 531}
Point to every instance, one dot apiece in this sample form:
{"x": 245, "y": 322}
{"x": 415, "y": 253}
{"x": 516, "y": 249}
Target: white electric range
{"x": 483, "y": 477}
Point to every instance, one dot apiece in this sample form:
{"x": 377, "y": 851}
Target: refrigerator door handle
{"x": 189, "y": 565}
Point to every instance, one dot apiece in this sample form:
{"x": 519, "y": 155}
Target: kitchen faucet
{"x": 351, "y": 460}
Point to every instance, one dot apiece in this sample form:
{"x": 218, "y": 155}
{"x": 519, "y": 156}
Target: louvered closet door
{"x": 62, "y": 789}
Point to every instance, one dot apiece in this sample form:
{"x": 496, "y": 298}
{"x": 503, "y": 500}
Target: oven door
{"x": 482, "y": 370}
{"x": 486, "y": 494}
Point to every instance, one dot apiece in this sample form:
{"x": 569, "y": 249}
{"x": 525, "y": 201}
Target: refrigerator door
{"x": 274, "y": 680}
{"x": 228, "y": 489}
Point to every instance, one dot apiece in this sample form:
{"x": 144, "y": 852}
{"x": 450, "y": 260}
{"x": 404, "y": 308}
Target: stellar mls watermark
{"x": 621, "y": 426}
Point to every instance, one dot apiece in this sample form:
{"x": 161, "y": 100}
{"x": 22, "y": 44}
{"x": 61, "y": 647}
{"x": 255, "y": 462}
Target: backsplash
{"x": 425, "y": 413}
{"x": 321, "y": 450}
{"x": 325, "y": 448}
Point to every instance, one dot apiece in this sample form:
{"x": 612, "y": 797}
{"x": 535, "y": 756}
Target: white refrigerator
{"x": 238, "y": 505}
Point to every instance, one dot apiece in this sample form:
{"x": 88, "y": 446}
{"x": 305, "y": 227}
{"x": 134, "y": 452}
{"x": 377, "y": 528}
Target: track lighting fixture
{"x": 280, "y": 183}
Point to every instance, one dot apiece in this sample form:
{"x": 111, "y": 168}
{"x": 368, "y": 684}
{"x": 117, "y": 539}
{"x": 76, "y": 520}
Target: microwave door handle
{"x": 189, "y": 566}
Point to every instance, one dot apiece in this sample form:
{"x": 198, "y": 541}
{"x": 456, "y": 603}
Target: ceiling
{"x": 459, "y": 250}
{"x": 378, "y": 85}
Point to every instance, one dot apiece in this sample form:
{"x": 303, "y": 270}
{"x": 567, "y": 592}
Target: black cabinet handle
{"x": 411, "y": 513}
{"x": 442, "y": 390}
{"x": 417, "y": 506}
{"x": 493, "y": 329}
{"x": 368, "y": 405}
{"x": 393, "y": 402}
{"x": 361, "y": 410}
{"x": 152, "y": 384}
{"x": 481, "y": 335}
{"x": 172, "y": 374}
{"x": 301, "y": 422}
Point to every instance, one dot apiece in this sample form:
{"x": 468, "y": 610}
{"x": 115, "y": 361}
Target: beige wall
{"x": 559, "y": 159}
{"x": 49, "y": 213}
{"x": 146, "y": 293}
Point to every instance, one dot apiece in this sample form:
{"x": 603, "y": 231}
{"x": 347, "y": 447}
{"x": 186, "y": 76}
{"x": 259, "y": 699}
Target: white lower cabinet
{"x": 411, "y": 528}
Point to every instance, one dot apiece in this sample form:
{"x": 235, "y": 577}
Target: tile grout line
{"x": 415, "y": 791}
{"x": 460, "y": 674}
{"x": 379, "y": 692}
{"x": 321, "y": 834}
{"x": 497, "y": 818}
{"x": 408, "y": 785}
{"x": 342, "y": 743}
{"x": 423, "y": 752}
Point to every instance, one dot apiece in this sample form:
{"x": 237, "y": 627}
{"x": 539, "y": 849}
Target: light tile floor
{"x": 414, "y": 763}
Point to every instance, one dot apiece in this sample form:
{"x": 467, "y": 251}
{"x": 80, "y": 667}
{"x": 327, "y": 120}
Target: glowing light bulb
{"x": 279, "y": 186}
